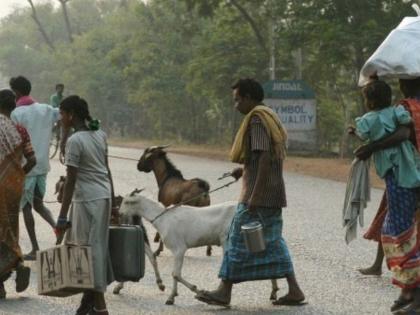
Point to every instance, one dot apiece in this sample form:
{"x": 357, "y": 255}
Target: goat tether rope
{"x": 193, "y": 198}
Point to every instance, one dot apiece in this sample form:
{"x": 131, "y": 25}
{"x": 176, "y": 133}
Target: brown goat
{"x": 173, "y": 187}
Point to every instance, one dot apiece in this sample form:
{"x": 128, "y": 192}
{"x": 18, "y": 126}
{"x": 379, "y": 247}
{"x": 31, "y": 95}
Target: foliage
{"x": 163, "y": 68}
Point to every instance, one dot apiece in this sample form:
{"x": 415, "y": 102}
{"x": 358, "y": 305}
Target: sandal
{"x": 23, "y": 274}
{"x": 408, "y": 310}
{"x": 86, "y": 304}
{"x": 285, "y": 300}
{"x": 400, "y": 303}
{"x": 95, "y": 312}
{"x": 207, "y": 297}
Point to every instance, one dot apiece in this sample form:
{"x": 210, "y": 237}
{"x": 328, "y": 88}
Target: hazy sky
{"x": 6, "y": 6}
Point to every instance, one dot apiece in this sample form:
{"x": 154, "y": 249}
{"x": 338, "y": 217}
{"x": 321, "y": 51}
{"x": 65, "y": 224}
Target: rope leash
{"x": 173, "y": 206}
{"x": 122, "y": 158}
{"x": 111, "y": 156}
{"x": 45, "y": 201}
{"x": 191, "y": 199}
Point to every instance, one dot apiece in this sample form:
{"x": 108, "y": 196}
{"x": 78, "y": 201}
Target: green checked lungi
{"x": 274, "y": 262}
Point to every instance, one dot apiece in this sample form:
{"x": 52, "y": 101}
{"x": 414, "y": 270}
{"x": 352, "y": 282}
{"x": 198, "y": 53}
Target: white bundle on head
{"x": 397, "y": 56}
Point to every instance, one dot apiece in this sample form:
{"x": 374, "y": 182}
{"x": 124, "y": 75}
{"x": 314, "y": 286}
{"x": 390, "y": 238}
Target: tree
{"x": 40, "y": 27}
{"x": 66, "y": 19}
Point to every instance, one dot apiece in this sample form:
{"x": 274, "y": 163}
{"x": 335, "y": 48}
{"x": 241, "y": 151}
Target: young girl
{"x": 88, "y": 189}
{"x": 400, "y": 167}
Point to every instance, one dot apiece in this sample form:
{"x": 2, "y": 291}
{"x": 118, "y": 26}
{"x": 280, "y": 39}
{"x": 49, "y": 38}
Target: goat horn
{"x": 164, "y": 146}
{"x": 136, "y": 191}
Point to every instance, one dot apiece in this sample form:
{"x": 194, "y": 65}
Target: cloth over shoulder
{"x": 273, "y": 127}
{"x": 356, "y": 198}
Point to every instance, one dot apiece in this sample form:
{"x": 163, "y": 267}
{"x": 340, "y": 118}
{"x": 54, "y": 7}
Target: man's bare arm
{"x": 401, "y": 134}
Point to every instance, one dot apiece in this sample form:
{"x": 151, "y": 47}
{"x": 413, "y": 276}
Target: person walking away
{"x": 399, "y": 166}
{"x": 14, "y": 145}
{"x": 57, "y": 97}
{"x": 38, "y": 119}
{"x": 88, "y": 191}
{"x": 260, "y": 145}
{"x": 62, "y": 135}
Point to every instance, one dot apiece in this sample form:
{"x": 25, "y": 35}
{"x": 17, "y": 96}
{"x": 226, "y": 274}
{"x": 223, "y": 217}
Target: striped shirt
{"x": 257, "y": 141}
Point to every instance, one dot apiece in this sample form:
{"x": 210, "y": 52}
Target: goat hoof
{"x": 116, "y": 290}
{"x": 169, "y": 302}
{"x": 161, "y": 286}
{"x": 194, "y": 288}
{"x": 273, "y": 296}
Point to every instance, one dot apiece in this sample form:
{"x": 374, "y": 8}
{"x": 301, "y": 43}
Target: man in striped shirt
{"x": 260, "y": 145}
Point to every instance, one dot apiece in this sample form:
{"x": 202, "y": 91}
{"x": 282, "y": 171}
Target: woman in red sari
{"x": 399, "y": 241}
{"x": 14, "y": 144}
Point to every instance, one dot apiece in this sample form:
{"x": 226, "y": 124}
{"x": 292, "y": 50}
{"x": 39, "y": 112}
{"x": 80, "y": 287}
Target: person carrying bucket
{"x": 260, "y": 145}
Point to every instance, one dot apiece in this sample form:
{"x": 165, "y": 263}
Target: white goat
{"x": 184, "y": 227}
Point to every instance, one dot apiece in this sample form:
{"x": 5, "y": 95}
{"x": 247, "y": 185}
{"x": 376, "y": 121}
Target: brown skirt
{"x": 11, "y": 187}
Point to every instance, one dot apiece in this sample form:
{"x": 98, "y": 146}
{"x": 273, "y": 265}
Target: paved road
{"x": 325, "y": 266}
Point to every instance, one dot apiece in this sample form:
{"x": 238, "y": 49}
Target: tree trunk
{"x": 66, "y": 19}
{"x": 252, "y": 23}
{"x": 359, "y": 62}
{"x": 40, "y": 27}
{"x": 344, "y": 145}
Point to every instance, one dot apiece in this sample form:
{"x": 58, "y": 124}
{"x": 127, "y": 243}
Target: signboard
{"x": 295, "y": 114}
{"x": 295, "y": 104}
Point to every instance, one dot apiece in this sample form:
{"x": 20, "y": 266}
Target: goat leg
{"x": 159, "y": 250}
{"x": 153, "y": 261}
{"x": 274, "y": 289}
{"x": 174, "y": 293}
{"x": 157, "y": 238}
{"x": 190, "y": 286}
{"x": 179, "y": 259}
{"x": 208, "y": 251}
{"x": 118, "y": 288}
{"x": 176, "y": 274}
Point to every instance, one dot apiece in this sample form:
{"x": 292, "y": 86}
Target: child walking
{"x": 399, "y": 166}
{"x": 88, "y": 190}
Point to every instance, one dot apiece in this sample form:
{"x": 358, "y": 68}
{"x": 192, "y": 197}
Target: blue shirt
{"x": 403, "y": 160}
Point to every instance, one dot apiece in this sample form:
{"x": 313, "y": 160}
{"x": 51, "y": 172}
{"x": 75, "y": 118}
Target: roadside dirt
{"x": 328, "y": 168}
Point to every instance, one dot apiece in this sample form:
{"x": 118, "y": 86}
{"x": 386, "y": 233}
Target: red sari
{"x": 14, "y": 143}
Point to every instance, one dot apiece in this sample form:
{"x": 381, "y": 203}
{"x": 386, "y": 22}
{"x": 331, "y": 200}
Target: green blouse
{"x": 403, "y": 160}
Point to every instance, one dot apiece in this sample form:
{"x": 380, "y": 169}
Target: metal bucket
{"x": 253, "y": 236}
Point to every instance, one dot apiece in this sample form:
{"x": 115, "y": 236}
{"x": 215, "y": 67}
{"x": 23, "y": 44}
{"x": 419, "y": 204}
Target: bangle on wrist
{"x": 62, "y": 220}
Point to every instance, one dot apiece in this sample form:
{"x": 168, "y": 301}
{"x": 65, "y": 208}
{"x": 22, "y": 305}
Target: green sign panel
{"x": 293, "y": 89}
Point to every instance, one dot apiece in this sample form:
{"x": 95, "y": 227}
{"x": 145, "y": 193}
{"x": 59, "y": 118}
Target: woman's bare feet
{"x": 371, "y": 271}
